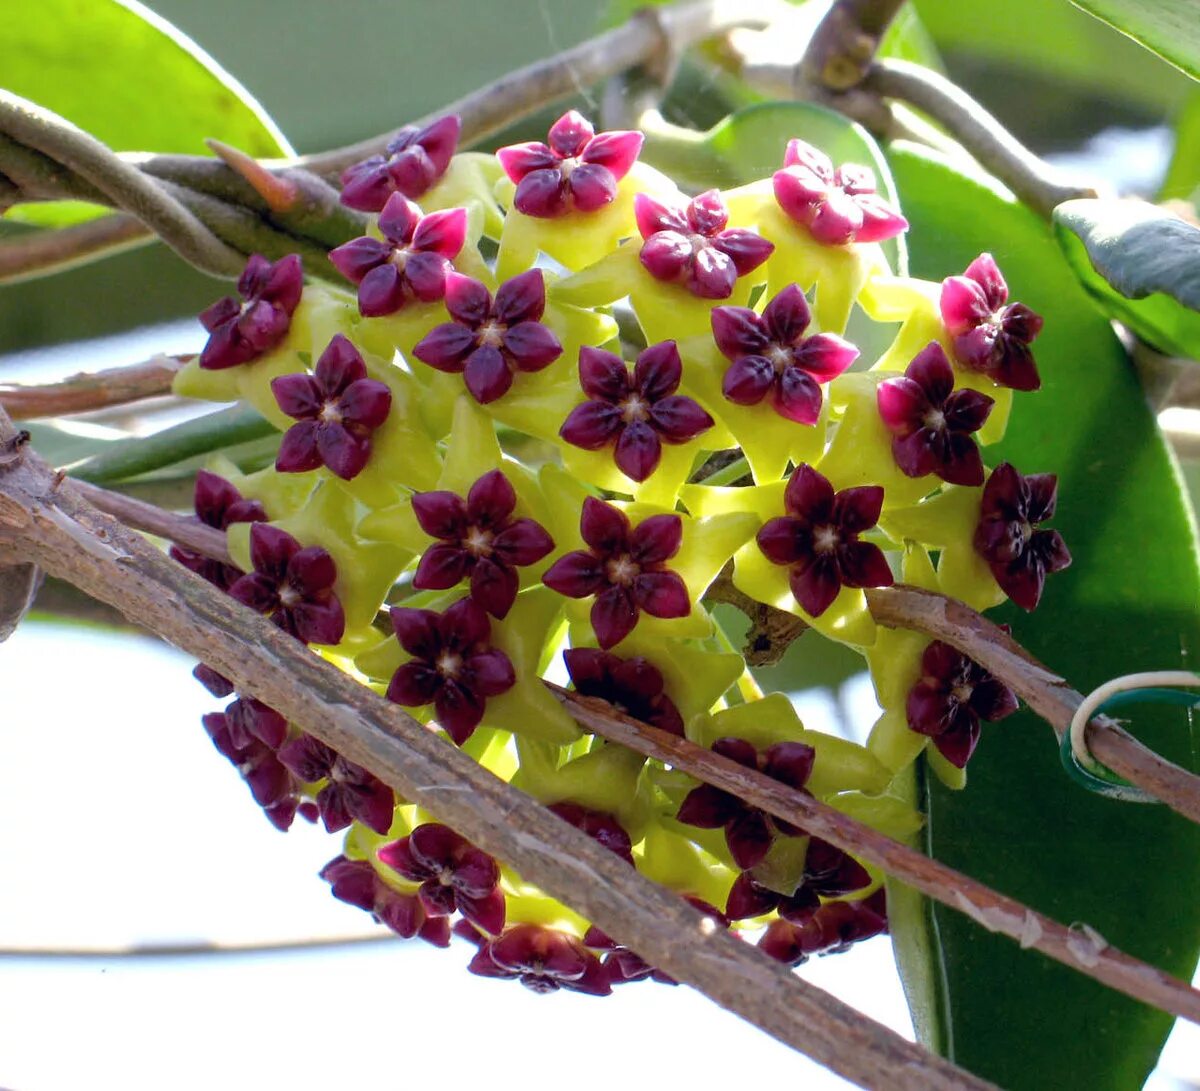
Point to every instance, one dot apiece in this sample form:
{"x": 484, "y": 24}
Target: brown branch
{"x": 1049, "y": 695}
{"x": 992, "y": 910}
{"x": 1033, "y": 181}
{"x": 45, "y": 519}
{"x": 87, "y": 391}
{"x": 40, "y": 253}
{"x": 841, "y": 50}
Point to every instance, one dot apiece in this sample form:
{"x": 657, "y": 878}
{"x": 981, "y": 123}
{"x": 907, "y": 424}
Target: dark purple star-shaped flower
{"x": 1020, "y": 556}
{"x": 634, "y": 412}
{"x": 990, "y": 334}
{"x": 410, "y": 262}
{"x": 625, "y": 568}
{"x": 749, "y": 831}
{"x": 454, "y": 875}
{"x": 828, "y": 873}
{"x": 831, "y": 930}
{"x": 771, "y": 355}
{"x": 241, "y": 332}
{"x": 690, "y": 245}
{"x": 247, "y": 719}
{"x": 542, "y": 959}
{"x": 453, "y": 665}
{"x": 357, "y": 883}
{"x": 218, "y": 504}
{"x": 338, "y": 408}
{"x": 270, "y": 782}
{"x": 837, "y": 206}
{"x": 578, "y": 170}
{"x": 479, "y": 540}
{"x": 634, "y": 686}
{"x": 624, "y": 966}
{"x": 818, "y": 539}
{"x": 488, "y": 341}
{"x": 599, "y": 825}
{"x": 351, "y": 792}
{"x": 415, "y": 160}
{"x": 292, "y": 585}
{"x": 932, "y": 424}
{"x": 954, "y": 693}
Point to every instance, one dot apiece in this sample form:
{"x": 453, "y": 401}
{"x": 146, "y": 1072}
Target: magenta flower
{"x": 837, "y": 206}
{"x": 241, "y": 332}
{"x": 338, "y": 408}
{"x": 292, "y": 585}
{"x": 633, "y": 686}
{"x": 625, "y": 568}
{"x": 411, "y": 262}
{"x": 634, "y": 412}
{"x": 1019, "y": 555}
{"x": 350, "y": 794}
{"x": 831, "y": 930}
{"x": 479, "y": 540}
{"x": 623, "y": 966}
{"x": 271, "y": 784}
{"x": 932, "y": 424}
{"x": 488, "y": 341}
{"x": 598, "y": 825}
{"x": 828, "y": 873}
{"x": 415, "y": 160}
{"x": 818, "y": 539}
{"x": 247, "y": 719}
{"x": 749, "y": 831}
{"x": 990, "y": 334}
{"x": 454, "y": 875}
{"x": 542, "y": 959}
{"x": 771, "y": 355}
{"x": 218, "y": 504}
{"x": 453, "y": 665}
{"x": 577, "y": 171}
{"x": 954, "y": 693}
{"x": 356, "y": 883}
{"x": 690, "y": 245}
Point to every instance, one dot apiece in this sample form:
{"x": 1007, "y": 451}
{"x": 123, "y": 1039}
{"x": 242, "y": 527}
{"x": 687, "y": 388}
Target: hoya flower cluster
{"x": 483, "y": 480}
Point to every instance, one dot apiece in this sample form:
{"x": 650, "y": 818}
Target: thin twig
{"x": 994, "y": 911}
{"x": 845, "y": 42}
{"x": 127, "y": 187}
{"x": 39, "y": 253}
{"x": 88, "y": 391}
{"x": 39, "y": 519}
{"x": 1049, "y": 695}
{"x": 1035, "y": 182}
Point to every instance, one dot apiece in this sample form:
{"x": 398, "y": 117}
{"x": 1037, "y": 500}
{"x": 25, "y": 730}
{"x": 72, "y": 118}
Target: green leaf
{"x": 1183, "y": 174}
{"x": 129, "y": 78}
{"x": 1128, "y": 603}
{"x": 1141, "y": 264}
{"x": 1169, "y": 28}
{"x": 749, "y": 145}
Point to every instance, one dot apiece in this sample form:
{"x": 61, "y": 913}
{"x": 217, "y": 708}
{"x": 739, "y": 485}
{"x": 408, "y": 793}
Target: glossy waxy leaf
{"x": 1166, "y": 27}
{"x": 1141, "y": 263}
{"x": 1127, "y": 603}
{"x": 100, "y": 63}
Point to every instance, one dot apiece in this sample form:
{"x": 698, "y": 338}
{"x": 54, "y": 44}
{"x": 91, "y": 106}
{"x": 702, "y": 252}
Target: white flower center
{"x": 478, "y": 542}
{"x": 449, "y": 664}
{"x": 491, "y": 333}
{"x": 825, "y": 539}
{"x": 962, "y": 693}
{"x": 622, "y": 570}
{"x": 780, "y": 357}
{"x": 399, "y": 257}
{"x": 935, "y": 419}
{"x": 633, "y": 409}
{"x": 289, "y": 596}
{"x": 330, "y": 414}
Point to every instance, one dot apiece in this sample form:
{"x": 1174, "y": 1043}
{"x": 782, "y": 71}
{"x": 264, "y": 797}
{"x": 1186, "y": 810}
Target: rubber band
{"x": 1144, "y": 688}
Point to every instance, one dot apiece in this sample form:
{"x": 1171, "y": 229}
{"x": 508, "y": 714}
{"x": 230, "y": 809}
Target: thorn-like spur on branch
{"x": 88, "y": 391}
{"x": 994, "y": 911}
{"x": 989, "y": 908}
{"x": 38, "y": 253}
{"x": 653, "y": 35}
{"x": 48, "y": 521}
{"x": 1049, "y": 695}
{"x": 1034, "y": 181}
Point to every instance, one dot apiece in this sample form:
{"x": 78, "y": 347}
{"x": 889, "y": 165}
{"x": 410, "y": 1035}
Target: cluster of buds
{"x": 468, "y": 440}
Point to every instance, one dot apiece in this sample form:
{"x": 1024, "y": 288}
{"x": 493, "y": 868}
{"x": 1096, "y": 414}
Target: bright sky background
{"x": 122, "y": 827}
